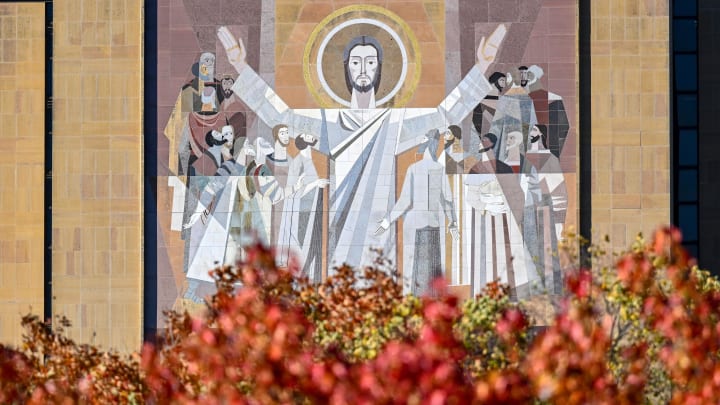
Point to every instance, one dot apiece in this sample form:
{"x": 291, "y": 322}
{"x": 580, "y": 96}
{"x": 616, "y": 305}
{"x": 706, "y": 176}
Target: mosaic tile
{"x": 378, "y": 154}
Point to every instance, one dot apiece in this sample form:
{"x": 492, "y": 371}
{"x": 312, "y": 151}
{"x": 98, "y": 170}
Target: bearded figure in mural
{"x": 361, "y": 142}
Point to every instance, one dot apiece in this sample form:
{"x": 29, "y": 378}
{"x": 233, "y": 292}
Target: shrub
{"x": 639, "y": 327}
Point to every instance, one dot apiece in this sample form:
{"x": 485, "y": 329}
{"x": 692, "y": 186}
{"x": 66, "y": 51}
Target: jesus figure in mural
{"x": 363, "y": 141}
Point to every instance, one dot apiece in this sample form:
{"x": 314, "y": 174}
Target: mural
{"x": 441, "y": 132}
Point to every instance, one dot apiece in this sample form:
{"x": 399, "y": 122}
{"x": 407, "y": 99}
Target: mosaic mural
{"x": 442, "y": 132}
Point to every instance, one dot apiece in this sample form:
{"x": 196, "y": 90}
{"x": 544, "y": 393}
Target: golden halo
{"x": 323, "y": 68}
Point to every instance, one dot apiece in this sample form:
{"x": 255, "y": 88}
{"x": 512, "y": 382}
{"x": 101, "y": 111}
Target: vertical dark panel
{"x": 685, "y": 191}
{"x": 47, "y": 260}
{"x": 708, "y": 135}
{"x": 585, "y": 124}
{"x": 150, "y": 174}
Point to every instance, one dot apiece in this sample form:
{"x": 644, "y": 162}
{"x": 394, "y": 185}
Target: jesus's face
{"x": 362, "y": 67}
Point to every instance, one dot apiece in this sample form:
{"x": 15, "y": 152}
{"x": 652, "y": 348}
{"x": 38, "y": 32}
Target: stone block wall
{"x": 22, "y": 137}
{"x": 97, "y": 174}
{"x": 630, "y": 118}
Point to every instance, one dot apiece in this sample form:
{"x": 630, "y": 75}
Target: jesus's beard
{"x": 362, "y": 88}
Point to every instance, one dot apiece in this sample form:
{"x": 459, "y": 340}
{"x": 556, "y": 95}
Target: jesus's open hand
{"x": 233, "y": 47}
{"x": 488, "y": 49}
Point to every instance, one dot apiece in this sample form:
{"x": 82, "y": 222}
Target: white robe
{"x": 362, "y": 145}
{"x": 209, "y": 237}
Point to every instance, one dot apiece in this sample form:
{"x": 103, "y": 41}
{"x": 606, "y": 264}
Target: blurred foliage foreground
{"x": 640, "y": 327}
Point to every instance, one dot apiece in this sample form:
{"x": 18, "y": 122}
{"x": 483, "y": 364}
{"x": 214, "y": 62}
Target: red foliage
{"x": 14, "y": 367}
{"x": 255, "y": 344}
{"x": 568, "y": 363}
{"x": 259, "y": 349}
{"x": 689, "y": 319}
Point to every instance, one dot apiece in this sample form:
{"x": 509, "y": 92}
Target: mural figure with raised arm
{"x": 440, "y": 133}
{"x": 361, "y": 142}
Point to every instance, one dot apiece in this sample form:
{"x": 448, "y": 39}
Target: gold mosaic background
{"x": 295, "y": 22}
